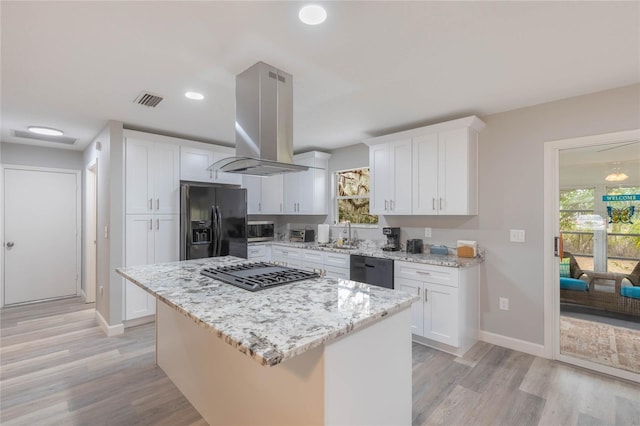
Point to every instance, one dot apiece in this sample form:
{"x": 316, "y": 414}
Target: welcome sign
{"x": 626, "y": 197}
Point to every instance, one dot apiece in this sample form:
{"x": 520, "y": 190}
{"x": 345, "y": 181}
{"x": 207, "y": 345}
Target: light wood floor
{"x": 58, "y": 368}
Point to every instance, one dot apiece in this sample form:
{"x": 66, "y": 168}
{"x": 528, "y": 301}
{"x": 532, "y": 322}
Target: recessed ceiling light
{"x": 194, "y": 95}
{"x": 45, "y": 131}
{"x": 312, "y": 14}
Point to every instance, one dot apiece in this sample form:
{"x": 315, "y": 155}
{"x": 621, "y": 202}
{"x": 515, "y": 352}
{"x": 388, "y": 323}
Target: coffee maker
{"x": 393, "y": 239}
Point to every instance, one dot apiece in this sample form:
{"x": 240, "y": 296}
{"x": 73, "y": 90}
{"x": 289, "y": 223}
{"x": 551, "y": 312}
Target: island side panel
{"x": 229, "y": 388}
{"x": 368, "y": 374}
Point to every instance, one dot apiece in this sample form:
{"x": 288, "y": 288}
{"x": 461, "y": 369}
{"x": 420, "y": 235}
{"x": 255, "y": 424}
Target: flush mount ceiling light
{"x": 45, "y": 131}
{"x": 194, "y": 95}
{"x": 312, "y": 14}
{"x": 616, "y": 175}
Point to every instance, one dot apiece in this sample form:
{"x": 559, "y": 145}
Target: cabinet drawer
{"x": 427, "y": 273}
{"x": 336, "y": 259}
{"x": 286, "y": 252}
{"x": 334, "y": 272}
{"x": 256, "y": 251}
{"x": 312, "y": 256}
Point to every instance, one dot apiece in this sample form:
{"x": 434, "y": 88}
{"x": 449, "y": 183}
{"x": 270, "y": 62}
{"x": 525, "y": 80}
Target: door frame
{"x": 91, "y": 221}
{"x": 551, "y": 230}
{"x": 77, "y": 174}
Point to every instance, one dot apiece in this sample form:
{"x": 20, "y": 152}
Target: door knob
{"x": 10, "y": 244}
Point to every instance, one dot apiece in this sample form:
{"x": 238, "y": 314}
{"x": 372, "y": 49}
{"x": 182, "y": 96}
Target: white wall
{"x": 110, "y": 200}
{"x": 38, "y": 156}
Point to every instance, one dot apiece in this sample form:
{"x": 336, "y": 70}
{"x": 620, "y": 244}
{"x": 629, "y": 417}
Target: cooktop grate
{"x": 257, "y": 276}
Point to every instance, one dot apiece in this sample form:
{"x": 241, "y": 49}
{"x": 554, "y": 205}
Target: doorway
{"x": 42, "y": 234}
{"x": 91, "y": 232}
{"x": 587, "y": 321}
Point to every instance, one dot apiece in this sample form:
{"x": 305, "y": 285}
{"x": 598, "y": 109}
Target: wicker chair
{"x": 611, "y": 301}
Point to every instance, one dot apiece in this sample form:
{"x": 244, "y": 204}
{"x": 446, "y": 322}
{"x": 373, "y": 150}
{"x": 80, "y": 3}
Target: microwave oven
{"x": 260, "y": 230}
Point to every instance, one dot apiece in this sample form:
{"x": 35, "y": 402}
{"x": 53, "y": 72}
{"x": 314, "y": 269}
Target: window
{"x": 623, "y": 236}
{"x": 352, "y": 197}
{"x": 577, "y": 220}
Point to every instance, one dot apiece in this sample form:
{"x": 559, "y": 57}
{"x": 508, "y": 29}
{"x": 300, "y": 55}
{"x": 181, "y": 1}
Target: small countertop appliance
{"x": 393, "y": 239}
{"x": 415, "y": 246}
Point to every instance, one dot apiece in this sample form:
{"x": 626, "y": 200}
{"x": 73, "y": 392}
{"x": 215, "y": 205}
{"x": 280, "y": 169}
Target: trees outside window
{"x": 352, "y": 197}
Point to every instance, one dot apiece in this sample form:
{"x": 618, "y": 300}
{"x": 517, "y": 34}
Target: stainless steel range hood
{"x": 264, "y": 124}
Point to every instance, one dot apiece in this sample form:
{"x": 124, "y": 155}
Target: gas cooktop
{"x": 257, "y": 276}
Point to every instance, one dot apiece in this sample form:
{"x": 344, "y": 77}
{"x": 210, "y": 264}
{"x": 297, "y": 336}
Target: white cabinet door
{"x": 417, "y": 307}
{"x": 138, "y": 251}
{"x": 272, "y": 195}
{"x": 194, "y": 163}
{"x": 165, "y": 176}
{"x": 306, "y": 192}
{"x": 391, "y": 178}
{"x": 139, "y": 189}
{"x": 441, "y": 313}
{"x": 291, "y": 195}
{"x": 152, "y": 176}
{"x": 222, "y": 177}
{"x": 253, "y": 185}
{"x": 456, "y": 173}
{"x": 379, "y": 175}
{"x": 400, "y": 177}
{"x": 425, "y": 174}
{"x": 166, "y": 245}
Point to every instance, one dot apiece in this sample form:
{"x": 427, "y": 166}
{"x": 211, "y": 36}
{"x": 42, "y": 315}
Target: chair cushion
{"x": 565, "y": 269}
{"x": 573, "y": 284}
{"x": 630, "y": 292}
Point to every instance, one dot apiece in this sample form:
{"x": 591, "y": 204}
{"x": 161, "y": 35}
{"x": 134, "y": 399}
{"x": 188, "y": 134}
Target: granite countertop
{"x": 450, "y": 260}
{"x": 271, "y": 325}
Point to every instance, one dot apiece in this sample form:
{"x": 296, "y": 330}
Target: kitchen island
{"x": 318, "y": 351}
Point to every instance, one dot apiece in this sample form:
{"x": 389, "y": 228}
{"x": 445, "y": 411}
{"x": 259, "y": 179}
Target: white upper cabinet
{"x": 264, "y": 194}
{"x": 152, "y": 175}
{"x": 438, "y": 175}
{"x": 195, "y": 159}
{"x": 391, "y": 179}
{"x": 306, "y": 192}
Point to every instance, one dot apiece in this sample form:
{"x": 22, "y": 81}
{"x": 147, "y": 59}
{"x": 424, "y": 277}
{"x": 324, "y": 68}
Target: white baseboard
{"x": 109, "y": 330}
{"x": 514, "y": 344}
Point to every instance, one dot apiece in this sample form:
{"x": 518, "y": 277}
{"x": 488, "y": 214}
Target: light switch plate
{"x": 516, "y": 235}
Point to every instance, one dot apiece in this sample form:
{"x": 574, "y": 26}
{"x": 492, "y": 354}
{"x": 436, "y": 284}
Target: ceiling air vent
{"x": 149, "y": 100}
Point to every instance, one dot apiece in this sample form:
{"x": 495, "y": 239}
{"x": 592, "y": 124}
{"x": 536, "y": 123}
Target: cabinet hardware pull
{"x": 418, "y": 291}
{"x": 391, "y": 205}
{"x": 385, "y": 205}
{"x": 150, "y": 224}
{"x": 426, "y": 295}
{"x": 259, "y": 207}
{"x": 423, "y": 272}
{"x": 280, "y": 207}
{"x": 150, "y": 203}
{"x": 440, "y": 203}
{"x": 433, "y": 204}
{"x": 157, "y": 203}
{"x": 158, "y": 224}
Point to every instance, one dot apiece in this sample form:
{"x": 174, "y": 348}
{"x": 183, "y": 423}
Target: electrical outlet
{"x": 516, "y": 235}
{"x": 504, "y": 304}
{"x": 427, "y": 232}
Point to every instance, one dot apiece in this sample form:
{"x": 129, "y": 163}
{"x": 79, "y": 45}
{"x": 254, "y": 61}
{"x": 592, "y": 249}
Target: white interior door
{"x": 41, "y": 241}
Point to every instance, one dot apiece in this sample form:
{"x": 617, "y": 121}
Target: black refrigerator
{"x": 213, "y": 221}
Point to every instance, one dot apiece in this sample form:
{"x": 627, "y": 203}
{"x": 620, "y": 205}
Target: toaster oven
{"x": 302, "y": 235}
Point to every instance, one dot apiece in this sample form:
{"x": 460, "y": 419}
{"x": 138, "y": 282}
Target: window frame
{"x": 336, "y": 197}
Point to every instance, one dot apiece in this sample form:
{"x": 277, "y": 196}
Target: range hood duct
{"x": 264, "y": 124}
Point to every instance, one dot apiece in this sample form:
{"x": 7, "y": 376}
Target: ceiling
{"x": 371, "y": 68}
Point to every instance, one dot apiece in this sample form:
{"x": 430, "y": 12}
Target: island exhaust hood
{"x": 264, "y": 124}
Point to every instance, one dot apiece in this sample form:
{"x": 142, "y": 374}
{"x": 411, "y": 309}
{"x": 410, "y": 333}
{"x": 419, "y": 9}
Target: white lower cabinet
{"x": 259, "y": 252}
{"x": 333, "y": 265}
{"x": 447, "y": 314}
{"x": 148, "y": 239}
{"x": 287, "y": 256}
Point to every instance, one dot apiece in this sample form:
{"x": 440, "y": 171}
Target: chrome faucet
{"x": 348, "y": 225}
